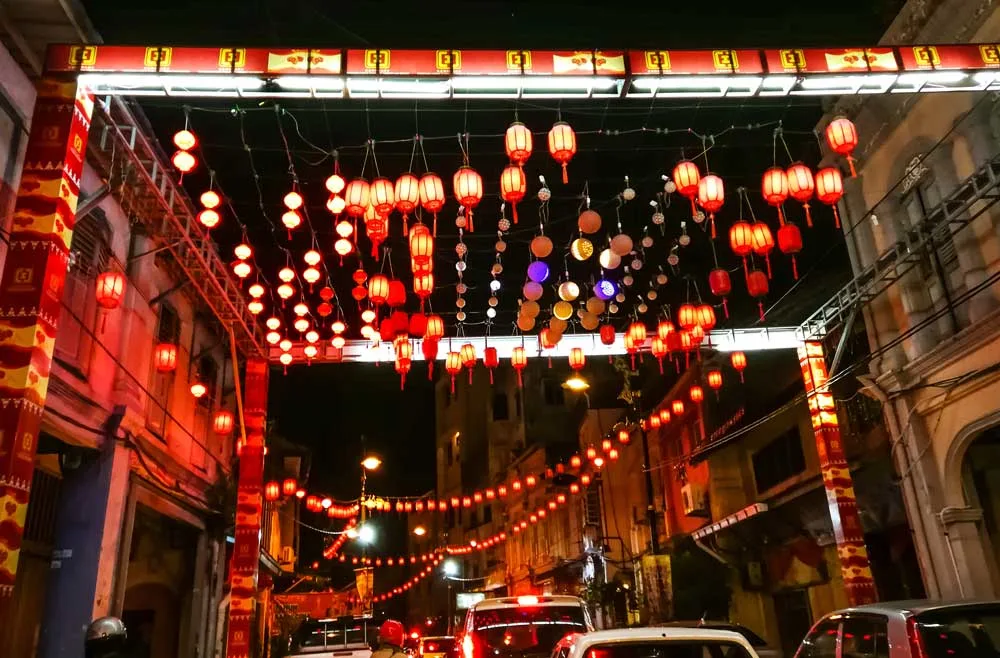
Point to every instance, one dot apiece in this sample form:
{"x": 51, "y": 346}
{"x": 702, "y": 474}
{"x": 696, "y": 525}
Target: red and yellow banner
{"x": 30, "y": 297}
{"x": 249, "y": 503}
{"x": 841, "y": 499}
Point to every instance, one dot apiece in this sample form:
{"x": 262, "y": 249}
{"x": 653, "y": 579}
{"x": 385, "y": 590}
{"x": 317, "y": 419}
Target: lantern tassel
{"x": 436, "y": 225}
{"x": 760, "y": 306}
{"x": 470, "y": 376}
{"x": 677, "y": 365}
{"x": 836, "y": 217}
{"x": 491, "y": 376}
{"x": 565, "y": 174}
{"x": 550, "y": 363}
{"x": 661, "y": 364}
{"x": 520, "y": 384}
{"x": 711, "y": 221}
{"x": 767, "y": 260}
{"x": 632, "y": 357}
{"x": 781, "y": 216}
{"x": 514, "y": 211}
{"x": 472, "y": 225}
{"x": 406, "y": 230}
{"x": 430, "y": 370}
{"x": 453, "y": 384}
{"x": 850, "y": 163}
{"x": 746, "y": 270}
{"x": 725, "y": 307}
{"x": 402, "y": 382}
{"x": 610, "y": 360}
{"x": 809, "y": 217}
{"x": 795, "y": 269}
{"x": 741, "y": 377}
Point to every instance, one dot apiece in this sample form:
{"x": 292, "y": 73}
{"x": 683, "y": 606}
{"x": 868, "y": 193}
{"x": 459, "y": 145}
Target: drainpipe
{"x": 711, "y": 551}
{"x": 951, "y": 550}
{"x": 908, "y": 486}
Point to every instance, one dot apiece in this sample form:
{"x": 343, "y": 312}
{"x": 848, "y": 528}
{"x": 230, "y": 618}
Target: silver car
{"x": 907, "y": 629}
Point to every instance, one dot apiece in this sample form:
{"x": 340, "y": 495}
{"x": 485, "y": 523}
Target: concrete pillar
{"x": 963, "y": 539}
{"x": 86, "y": 551}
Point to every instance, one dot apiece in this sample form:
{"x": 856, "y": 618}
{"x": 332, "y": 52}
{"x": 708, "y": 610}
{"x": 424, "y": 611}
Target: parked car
{"x": 757, "y": 642}
{"x": 437, "y": 647}
{"x": 344, "y": 637}
{"x": 656, "y": 642}
{"x": 522, "y": 626}
{"x": 907, "y": 629}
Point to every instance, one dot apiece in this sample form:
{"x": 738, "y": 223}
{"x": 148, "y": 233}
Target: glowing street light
{"x": 450, "y": 568}
{"x": 371, "y": 463}
{"x": 576, "y": 383}
{"x": 366, "y": 534}
{"x": 420, "y": 531}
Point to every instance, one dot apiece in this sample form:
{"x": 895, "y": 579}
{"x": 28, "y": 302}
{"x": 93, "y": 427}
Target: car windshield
{"x": 437, "y": 645}
{"x": 669, "y": 649}
{"x": 525, "y": 631}
{"x": 334, "y": 633}
{"x": 967, "y": 631}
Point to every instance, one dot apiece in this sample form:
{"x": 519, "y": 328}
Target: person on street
{"x": 106, "y": 638}
{"x": 391, "y": 636}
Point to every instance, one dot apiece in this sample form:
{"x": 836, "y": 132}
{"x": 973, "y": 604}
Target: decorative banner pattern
{"x": 250, "y": 495}
{"x": 30, "y": 297}
{"x": 842, "y": 502}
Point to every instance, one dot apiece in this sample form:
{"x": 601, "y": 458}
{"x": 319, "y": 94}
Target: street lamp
{"x": 576, "y": 383}
{"x": 371, "y": 463}
{"x": 366, "y": 534}
{"x": 420, "y": 531}
{"x": 450, "y": 569}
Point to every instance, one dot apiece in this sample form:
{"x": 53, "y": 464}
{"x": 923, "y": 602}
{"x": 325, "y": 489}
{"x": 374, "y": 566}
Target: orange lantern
{"x": 720, "y": 285}
{"x": 223, "y": 422}
{"x": 607, "y": 334}
{"x": 381, "y": 196}
{"x": 423, "y": 286}
{"x": 664, "y": 416}
{"x": 801, "y": 186}
{"x": 468, "y": 353}
{"x": 272, "y": 491}
{"x": 687, "y": 316}
{"x": 655, "y": 422}
{"x": 435, "y": 328}
{"x": 165, "y": 357}
{"x": 577, "y": 359}
{"x": 432, "y": 195}
{"x": 790, "y": 243}
{"x": 453, "y": 366}
{"x": 110, "y": 289}
{"x": 757, "y": 287}
{"x": 829, "y": 189}
{"x": 518, "y": 361}
{"x": 686, "y": 178}
{"x": 637, "y": 332}
{"x": 184, "y": 161}
{"x": 407, "y": 195}
{"x": 562, "y": 145}
{"x": 518, "y": 143}
{"x": 208, "y": 218}
{"x": 711, "y": 196}
{"x": 696, "y": 394}
{"x": 513, "y": 187}
{"x": 491, "y": 361}
{"x": 468, "y": 187}
{"x": 739, "y": 362}
{"x": 658, "y": 348}
{"x": 421, "y": 246}
{"x": 289, "y": 486}
{"x": 714, "y": 379}
{"x": 741, "y": 241}
{"x": 678, "y": 407}
{"x": 378, "y": 289}
{"x": 762, "y": 242}
{"x": 842, "y": 137}
{"x": 774, "y": 188}
{"x": 293, "y": 200}
{"x": 705, "y": 316}
{"x": 356, "y": 197}
{"x": 185, "y": 140}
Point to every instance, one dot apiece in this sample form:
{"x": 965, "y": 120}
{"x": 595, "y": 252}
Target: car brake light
{"x": 916, "y": 640}
{"x": 468, "y": 648}
{"x": 524, "y": 600}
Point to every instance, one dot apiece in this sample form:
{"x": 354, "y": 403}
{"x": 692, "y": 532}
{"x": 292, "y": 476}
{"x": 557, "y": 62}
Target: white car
{"x": 521, "y": 626}
{"x": 344, "y": 637}
{"x": 655, "y": 642}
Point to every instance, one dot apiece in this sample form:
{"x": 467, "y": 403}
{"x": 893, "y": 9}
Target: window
{"x": 90, "y": 253}
{"x": 961, "y": 631}
{"x": 821, "y": 642}
{"x": 552, "y": 393}
{"x": 168, "y": 327}
{"x": 208, "y": 374}
{"x": 919, "y": 203}
{"x": 500, "y": 407}
{"x": 864, "y": 637}
{"x": 779, "y": 460}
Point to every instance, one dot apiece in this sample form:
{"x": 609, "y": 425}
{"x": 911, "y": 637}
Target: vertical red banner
{"x": 30, "y": 297}
{"x": 841, "y": 500}
{"x": 249, "y": 504}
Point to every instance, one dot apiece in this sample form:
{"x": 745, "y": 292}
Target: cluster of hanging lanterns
{"x": 183, "y": 159}
{"x": 209, "y": 216}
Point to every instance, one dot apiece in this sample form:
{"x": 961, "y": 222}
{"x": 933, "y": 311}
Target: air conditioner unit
{"x": 693, "y": 500}
{"x": 287, "y": 555}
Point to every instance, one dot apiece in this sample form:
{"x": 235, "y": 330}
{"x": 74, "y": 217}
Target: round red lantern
{"x": 382, "y": 196}
{"x": 686, "y": 178}
{"x": 272, "y": 491}
{"x": 518, "y": 361}
{"x": 378, "y": 289}
{"x": 356, "y": 197}
{"x": 696, "y": 394}
{"x": 762, "y": 242}
{"x": 757, "y": 287}
{"x": 453, "y": 366}
{"x": 184, "y": 161}
{"x": 842, "y": 137}
{"x": 720, "y": 285}
{"x": 774, "y": 188}
{"x": 705, "y": 315}
{"x": 714, "y": 379}
{"x": 222, "y": 423}
{"x": 165, "y": 357}
{"x": 397, "y": 293}
{"x": 432, "y": 197}
{"x": 435, "y": 328}
{"x": 664, "y": 328}
{"x": 607, "y": 334}
{"x": 577, "y": 359}
{"x": 185, "y": 140}
{"x": 407, "y": 195}
{"x": 513, "y": 187}
{"x": 711, "y": 196}
{"x": 677, "y": 406}
{"x": 208, "y": 218}
{"x": 518, "y": 143}
{"x": 637, "y": 332}
{"x": 491, "y": 360}
{"x": 468, "y": 187}
{"x": 430, "y": 349}
{"x": 829, "y": 189}
{"x": 562, "y": 145}
{"x": 739, "y": 362}
{"x": 801, "y": 186}
{"x": 110, "y": 289}
{"x": 741, "y": 241}
{"x": 289, "y": 486}
{"x": 421, "y": 246}
{"x": 658, "y": 348}
{"x": 790, "y": 243}
{"x": 687, "y": 316}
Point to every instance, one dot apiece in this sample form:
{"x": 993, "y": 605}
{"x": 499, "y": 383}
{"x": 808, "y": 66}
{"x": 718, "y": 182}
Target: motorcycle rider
{"x": 391, "y": 636}
{"x": 106, "y": 638}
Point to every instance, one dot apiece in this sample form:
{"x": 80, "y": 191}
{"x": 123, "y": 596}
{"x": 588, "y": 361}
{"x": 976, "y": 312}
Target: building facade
{"x": 920, "y": 219}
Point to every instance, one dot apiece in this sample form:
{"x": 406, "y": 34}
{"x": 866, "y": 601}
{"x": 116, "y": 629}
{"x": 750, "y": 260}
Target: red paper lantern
{"x": 432, "y": 196}
{"x": 407, "y": 195}
{"x": 829, "y": 189}
{"x": 686, "y": 178}
{"x": 518, "y": 361}
{"x": 774, "y": 187}
{"x": 468, "y": 187}
{"x": 562, "y": 145}
{"x": 185, "y": 140}
{"x": 289, "y": 486}
{"x": 577, "y": 359}
{"x": 165, "y": 357}
{"x": 757, "y": 287}
{"x": 790, "y": 243}
{"x": 664, "y": 328}
{"x": 741, "y": 241}
{"x": 209, "y": 218}
{"x": 210, "y": 199}
{"x": 714, "y": 379}
{"x": 430, "y": 349}
{"x": 184, "y": 161}
{"x": 711, "y": 196}
{"x": 272, "y": 491}
{"x": 842, "y": 137}
{"x": 397, "y": 293}
{"x": 423, "y": 286}
{"x": 513, "y": 187}
{"x": 468, "y": 353}
{"x": 637, "y": 332}
{"x": 223, "y": 422}
{"x": 696, "y": 394}
{"x": 110, "y": 289}
{"x": 762, "y": 242}
{"x": 356, "y": 197}
{"x": 801, "y": 186}
{"x": 491, "y": 361}
{"x": 720, "y": 285}
{"x": 435, "y": 328}
{"x": 705, "y": 316}
{"x": 335, "y": 184}
{"x": 378, "y": 289}
{"x": 678, "y": 407}
{"x": 658, "y": 348}
{"x": 607, "y": 334}
{"x": 687, "y": 316}
{"x": 453, "y": 366}
{"x": 518, "y": 143}
{"x": 739, "y": 362}
{"x": 382, "y": 196}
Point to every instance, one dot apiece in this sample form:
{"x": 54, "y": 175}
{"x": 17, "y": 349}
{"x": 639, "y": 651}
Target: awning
{"x": 732, "y": 519}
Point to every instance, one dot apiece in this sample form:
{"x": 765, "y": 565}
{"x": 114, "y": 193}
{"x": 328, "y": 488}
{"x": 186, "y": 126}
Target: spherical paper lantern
{"x": 185, "y": 140}
{"x": 790, "y": 243}
{"x": 609, "y": 260}
{"x": 589, "y": 221}
{"x": 842, "y": 137}
{"x": 801, "y": 186}
{"x": 581, "y": 249}
{"x": 562, "y": 310}
{"x": 468, "y": 188}
{"x": 541, "y": 246}
{"x": 518, "y": 143}
{"x": 532, "y": 290}
{"x": 110, "y": 289}
{"x": 335, "y": 184}
{"x": 562, "y": 146}
{"x": 525, "y": 323}
{"x": 210, "y": 199}
{"x": 605, "y": 289}
{"x": 538, "y": 271}
{"x": 165, "y": 357}
{"x": 293, "y": 200}
{"x": 568, "y": 291}
{"x": 397, "y": 293}
{"x": 829, "y": 189}
{"x": 184, "y": 161}
{"x": 222, "y": 423}
{"x": 621, "y": 245}
{"x": 513, "y": 187}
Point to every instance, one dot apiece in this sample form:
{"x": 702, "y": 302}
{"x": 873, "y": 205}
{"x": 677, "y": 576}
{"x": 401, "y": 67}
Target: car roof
{"x": 543, "y": 601}
{"x": 656, "y": 633}
{"x": 913, "y": 607}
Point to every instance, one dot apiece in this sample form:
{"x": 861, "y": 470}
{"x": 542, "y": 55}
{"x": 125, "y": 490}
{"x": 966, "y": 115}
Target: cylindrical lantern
{"x": 705, "y": 317}
{"x": 110, "y": 289}
{"x": 829, "y": 189}
{"x": 577, "y": 359}
{"x": 356, "y": 197}
{"x": 686, "y": 178}
{"x": 289, "y": 486}
{"x": 513, "y": 187}
{"x": 696, "y": 394}
{"x": 432, "y": 196}
{"x": 757, "y": 286}
{"x": 607, "y": 334}
{"x": 491, "y": 360}
{"x": 407, "y": 195}
{"x": 382, "y": 196}
{"x": 468, "y": 354}
{"x": 453, "y": 366}
{"x": 842, "y": 137}
{"x": 801, "y": 186}
{"x": 687, "y": 316}
{"x": 678, "y": 407}
{"x": 562, "y": 145}
{"x": 739, "y": 362}
{"x": 518, "y": 143}
{"x": 272, "y": 491}
{"x": 774, "y": 188}
{"x": 790, "y": 243}
{"x": 714, "y": 379}
{"x": 435, "y": 328}
{"x": 223, "y": 422}
{"x": 165, "y": 357}
{"x": 720, "y": 285}
{"x": 468, "y": 187}
{"x": 741, "y": 241}
{"x": 711, "y": 196}
{"x": 762, "y": 242}
{"x": 518, "y": 361}
{"x": 378, "y": 289}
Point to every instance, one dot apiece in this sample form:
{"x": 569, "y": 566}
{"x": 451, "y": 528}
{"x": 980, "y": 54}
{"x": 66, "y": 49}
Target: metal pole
{"x": 451, "y": 617}
{"x": 654, "y": 537}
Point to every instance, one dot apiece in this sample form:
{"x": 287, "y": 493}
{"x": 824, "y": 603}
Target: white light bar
{"x": 361, "y": 351}
{"x": 698, "y": 86}
{"x": 175, "y": 84}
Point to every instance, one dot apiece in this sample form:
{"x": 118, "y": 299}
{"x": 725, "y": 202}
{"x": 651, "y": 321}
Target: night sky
{"x": 328, "y": 408}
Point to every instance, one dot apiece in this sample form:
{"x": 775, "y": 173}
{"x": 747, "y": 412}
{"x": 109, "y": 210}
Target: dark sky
{"x": 328, "y": 408}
